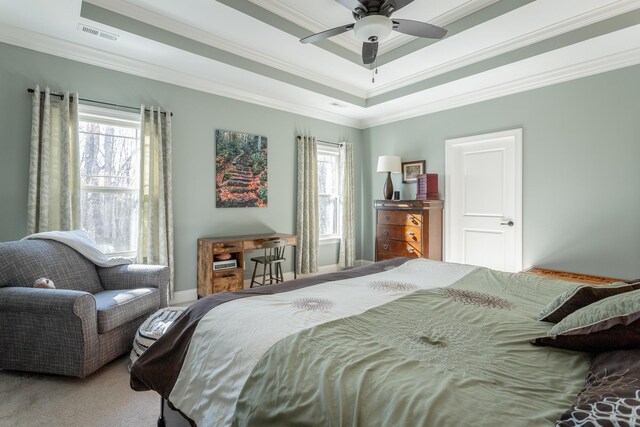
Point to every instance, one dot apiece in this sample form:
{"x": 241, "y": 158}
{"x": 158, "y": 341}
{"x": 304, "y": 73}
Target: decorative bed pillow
{"x": 611, "y": 393}
{"x": 609, "y": 324}
{"x": 581, "y": 296}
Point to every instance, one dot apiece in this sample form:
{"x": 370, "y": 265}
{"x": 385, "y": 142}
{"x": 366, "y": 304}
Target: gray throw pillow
{"x": 581, "y": 296}
{"x": 609, "y": 324}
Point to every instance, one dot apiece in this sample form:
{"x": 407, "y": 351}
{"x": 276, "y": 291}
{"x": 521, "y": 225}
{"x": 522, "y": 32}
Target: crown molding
{"x": 461, "y": 11}
{"x": 92, "y": 56}
{"x": 96, "y": 57}
{"x": 548, "y": 32}
{"x": 293, "y": 15}
{"x": 160, "y": 21}
{"x": 547, "y": 78}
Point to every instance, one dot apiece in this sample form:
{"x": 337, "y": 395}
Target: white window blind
{"x": 110, "y": 176}
{"x": 329, "y": 191}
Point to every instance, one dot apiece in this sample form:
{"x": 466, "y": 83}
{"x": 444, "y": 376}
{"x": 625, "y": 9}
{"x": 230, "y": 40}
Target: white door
{"x": 483, "y": 200}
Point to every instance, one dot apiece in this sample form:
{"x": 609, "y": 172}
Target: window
{"x": 329, "y": 192}
{"x": 109, "y": 176}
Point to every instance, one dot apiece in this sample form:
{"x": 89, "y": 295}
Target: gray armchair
{"x": 88, "y": 320}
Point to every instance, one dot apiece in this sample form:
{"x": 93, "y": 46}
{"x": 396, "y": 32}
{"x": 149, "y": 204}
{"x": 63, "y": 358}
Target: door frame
{"x": 448, "y": 167}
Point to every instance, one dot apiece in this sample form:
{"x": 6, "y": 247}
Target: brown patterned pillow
{"x": 611, "y": 393}
{"x": 581, "y": 296}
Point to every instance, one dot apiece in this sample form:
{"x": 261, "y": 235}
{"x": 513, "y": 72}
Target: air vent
{"x": 96, "y": 32}
{"x": 337, "y": 105}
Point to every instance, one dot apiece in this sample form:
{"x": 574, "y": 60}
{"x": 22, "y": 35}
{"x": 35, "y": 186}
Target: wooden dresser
{"x": 408, "y": 228}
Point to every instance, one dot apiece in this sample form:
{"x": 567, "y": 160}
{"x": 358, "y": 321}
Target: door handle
{"x": 507, "y": 223}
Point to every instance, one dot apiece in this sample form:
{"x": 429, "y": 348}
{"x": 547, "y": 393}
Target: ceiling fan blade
{"x": 418, "y": 29}
{"x": 369, "y": 52}
{"x": 326, "y": 34}
{"x": 395, "y": 4}
{"x": 352, "y": 4}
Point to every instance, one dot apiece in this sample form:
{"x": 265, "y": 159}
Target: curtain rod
{"x": 337, "y": 144}
{"x": 61, "y": 96}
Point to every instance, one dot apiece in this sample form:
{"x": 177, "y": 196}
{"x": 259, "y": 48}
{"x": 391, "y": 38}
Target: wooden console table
{"x": 231, "y": 279}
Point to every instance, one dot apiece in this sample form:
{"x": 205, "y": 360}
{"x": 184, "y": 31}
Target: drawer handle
{"x": 410, "y": 249}
{"x": 225, "y": 276}
{"x": 386, "y": 246}
{"x": 386, "y": 217}
{"x": 411, "y": 233}
{"x": 385, "y": 232}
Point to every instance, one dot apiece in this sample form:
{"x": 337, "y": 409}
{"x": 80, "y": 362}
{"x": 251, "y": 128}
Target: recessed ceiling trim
{"x": 291, "y": 14}
{"x": 276, "y": 21}
{"x": 130, "y": 24}
{"x": 474, "y": 17}
{"x": 550, "y": 31}
{"x": 157, "y": 20}
{"x": 597, "y": 29}
{"x": 558, "y": 75}
{"x": 89, "y": 55}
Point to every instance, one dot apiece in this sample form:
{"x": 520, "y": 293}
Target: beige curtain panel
{"x": 307, "y": 228}
{"x": 347, "y": 257}
{"x": 54, "y": 164}
{"x": 155, "y": 231}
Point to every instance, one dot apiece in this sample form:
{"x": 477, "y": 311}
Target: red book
{"x": 427, "y": 186}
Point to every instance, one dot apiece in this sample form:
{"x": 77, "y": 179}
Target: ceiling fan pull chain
{"x": 375, "y": 71}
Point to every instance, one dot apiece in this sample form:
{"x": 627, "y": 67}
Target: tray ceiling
{"x": 250, "y": 49}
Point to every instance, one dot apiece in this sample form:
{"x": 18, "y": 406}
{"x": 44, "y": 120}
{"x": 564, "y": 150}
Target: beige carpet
{"x": 102, "y": 399}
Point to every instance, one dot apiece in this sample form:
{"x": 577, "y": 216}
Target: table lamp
{"x": 389, "y": 164}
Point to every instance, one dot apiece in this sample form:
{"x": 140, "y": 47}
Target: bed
{"x": 404, "y": 342}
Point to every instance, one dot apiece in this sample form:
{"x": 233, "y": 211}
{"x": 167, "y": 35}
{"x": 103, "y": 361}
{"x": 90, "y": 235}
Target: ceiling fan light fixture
{"x": 373, "y": 28}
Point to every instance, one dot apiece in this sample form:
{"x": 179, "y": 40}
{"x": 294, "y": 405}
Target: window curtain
{"x": 54, "y": 165}
{"x": 155, "y": 231}
{"x": 347, "y": 257}
{"x": 307, "y": 228}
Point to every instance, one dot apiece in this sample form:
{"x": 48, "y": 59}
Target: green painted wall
{"x": 581, "y": 198}
{"x": 581, "y": 151}
{"x": 196, "y": 116}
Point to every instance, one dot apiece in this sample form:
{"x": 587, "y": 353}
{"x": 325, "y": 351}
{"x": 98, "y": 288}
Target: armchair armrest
{"x": 132, "y": 276}
{"x": 46, "y": 301}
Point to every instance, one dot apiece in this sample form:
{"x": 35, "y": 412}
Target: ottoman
{"x": 152, "y": 329}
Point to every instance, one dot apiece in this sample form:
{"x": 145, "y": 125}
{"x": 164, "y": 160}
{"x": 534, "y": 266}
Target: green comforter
{"x": 454, "y": 356}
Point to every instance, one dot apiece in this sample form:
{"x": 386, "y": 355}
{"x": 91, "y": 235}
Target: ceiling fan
{"x": 374, "y": 23}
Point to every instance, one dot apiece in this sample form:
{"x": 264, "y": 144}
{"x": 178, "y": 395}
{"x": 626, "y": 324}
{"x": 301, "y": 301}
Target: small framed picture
{"x": 410, "y": 170}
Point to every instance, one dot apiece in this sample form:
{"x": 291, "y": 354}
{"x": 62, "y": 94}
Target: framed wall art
{"x": 241, "y": 170}
{"x": 410, "y": 170}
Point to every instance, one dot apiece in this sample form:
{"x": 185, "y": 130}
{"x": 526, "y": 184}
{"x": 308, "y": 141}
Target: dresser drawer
{"x": 400, "y": 218}
{"x": 398, "y": 248}
{"x": 399, "y": 232}
{"x": 228, "y": 280}
{"x": 226, "y": 247}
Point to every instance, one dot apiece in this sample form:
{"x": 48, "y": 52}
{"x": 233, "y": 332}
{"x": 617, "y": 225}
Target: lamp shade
{"x": 373, "y": 28}
{"x": 389, "y": 164}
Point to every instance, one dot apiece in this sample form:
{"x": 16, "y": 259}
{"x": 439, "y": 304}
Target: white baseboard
{"x": 363, "y": 262}
{"x": 190, "y": 295}
{"x": 182, "y": 297}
